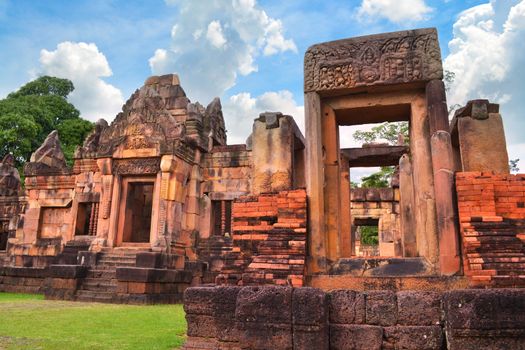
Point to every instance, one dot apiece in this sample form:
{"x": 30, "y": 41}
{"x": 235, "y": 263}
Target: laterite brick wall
{"x": 492, "y": 218}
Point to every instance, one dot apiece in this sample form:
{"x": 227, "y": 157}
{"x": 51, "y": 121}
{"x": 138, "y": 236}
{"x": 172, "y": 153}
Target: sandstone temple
{"x": 262, "y": 240}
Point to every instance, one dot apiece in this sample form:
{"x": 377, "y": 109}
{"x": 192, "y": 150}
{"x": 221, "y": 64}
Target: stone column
{"x": 314, "y": 183}
{"x": 443, "y": 170}
{"x": 345, "y": 241}
{"x": 406, "y": 204}
{"x": 332, "y": 187}
{"x": 423, "y": 178}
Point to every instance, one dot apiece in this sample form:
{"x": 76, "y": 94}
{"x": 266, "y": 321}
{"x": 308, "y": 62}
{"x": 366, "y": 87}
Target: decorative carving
{"x": 145, "y": 120}
{"x": 382, "y": 59}
{"x": 136, "y": 166}
{"x": 90, "y": 146}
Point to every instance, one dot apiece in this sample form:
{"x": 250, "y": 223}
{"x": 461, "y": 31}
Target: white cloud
{"x": 487, "y": 57}
{"x": 241, "y": 109}
{"x": 395, "y": 10}
{"x": 215, "y": 35}
{"x": 215, "y": 42}
{"x": 85, "y": 66}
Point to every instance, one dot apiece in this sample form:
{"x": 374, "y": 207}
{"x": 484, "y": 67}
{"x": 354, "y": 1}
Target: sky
{"x": 250, "y": 53}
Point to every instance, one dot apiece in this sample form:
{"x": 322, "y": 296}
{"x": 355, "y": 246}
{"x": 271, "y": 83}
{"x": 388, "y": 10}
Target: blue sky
{"x": 248, "y": 52}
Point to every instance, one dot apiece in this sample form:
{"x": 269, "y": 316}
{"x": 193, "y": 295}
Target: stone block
{"x": 201, "y": 326}
{"x": 413, "y": 338}
{"x": 149, "y": 260}
{"x": 262, "y": 336}
{"x": 199, "y": 301}
{"x": 381, "y": 308}
{"x": 346, "y": 306}
{"x": 355, "y": 337}
{"x": 418, "y": 308}
{"x": 310, "y": 318}
{"x": 268, "y": 304}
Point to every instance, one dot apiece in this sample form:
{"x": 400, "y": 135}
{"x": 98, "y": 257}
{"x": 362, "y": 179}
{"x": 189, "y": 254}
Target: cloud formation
{"x": 487, "y": 57}
{"x": 241, "y": 109}
{"x": 394, "y": 10}
{"x": 215, "y": 41}
{"x": 85, "y": 66}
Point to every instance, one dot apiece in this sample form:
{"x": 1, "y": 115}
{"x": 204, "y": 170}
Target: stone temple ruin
{"x": 158, "y": 202}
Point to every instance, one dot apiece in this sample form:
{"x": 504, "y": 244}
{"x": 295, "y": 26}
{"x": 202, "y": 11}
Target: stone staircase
{"x": 100, "y": 284}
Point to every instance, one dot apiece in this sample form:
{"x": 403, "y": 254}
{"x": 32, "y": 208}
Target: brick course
{"x": 269, "y": 240}
{"x": 492, "y": 220}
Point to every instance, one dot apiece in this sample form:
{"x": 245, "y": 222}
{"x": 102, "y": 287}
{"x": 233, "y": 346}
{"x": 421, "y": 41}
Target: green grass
{"x": 29, "y": 322}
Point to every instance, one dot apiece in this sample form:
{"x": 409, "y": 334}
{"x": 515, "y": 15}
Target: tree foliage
{"x": 389, "y": 132}
{"x": 369, "y": 235}
{"x": 29, "y": 114}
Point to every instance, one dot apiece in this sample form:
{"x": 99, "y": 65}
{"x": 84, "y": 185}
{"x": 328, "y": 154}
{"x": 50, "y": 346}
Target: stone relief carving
{"x": 48, "y": 159}
{"x": 391, "y": 58}
{"x": 136, "y": 166}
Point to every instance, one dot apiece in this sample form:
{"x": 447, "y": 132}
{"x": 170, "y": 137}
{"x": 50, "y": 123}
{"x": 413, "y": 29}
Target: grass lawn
{"x": 30, "y": 322}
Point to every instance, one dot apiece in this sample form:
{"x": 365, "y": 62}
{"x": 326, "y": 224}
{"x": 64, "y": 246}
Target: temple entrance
{"x": 135, "y": 211}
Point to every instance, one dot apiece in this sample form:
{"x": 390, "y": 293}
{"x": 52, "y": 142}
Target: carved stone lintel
{"x": 383, "y": 59}
{"x": 137, "y": 166}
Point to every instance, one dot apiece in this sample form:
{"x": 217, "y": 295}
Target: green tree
{"x": 369, "y": 235}
{"x": 386, "y": 131}
{"x": 379, "y": 179}
{"x": 392, "y": 133}
{"x": 29, "y": 114}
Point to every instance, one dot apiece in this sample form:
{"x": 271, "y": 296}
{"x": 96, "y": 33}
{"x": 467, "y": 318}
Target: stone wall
{"x": 308, "y": 318}
{"x": 492, "y": 217}
{"x": 268, "y": 240}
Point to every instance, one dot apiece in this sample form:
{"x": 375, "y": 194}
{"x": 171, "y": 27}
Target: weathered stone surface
{"x": 413, "y": 338}
{"x": 381, "y": 308}
{"x": 9, "y": 177}
{"x": 391, "y": 58}
{"x": 355, "y": 337}
{"x": 309, "y": 318}
{"x": 485, "y": 319}
{"x": 346, "y": 307}
{"x": 48, "y": 159}
{"x": 257, "y": 304}
{"x": 418, "y": 308}
{"x": 90, "y": 145}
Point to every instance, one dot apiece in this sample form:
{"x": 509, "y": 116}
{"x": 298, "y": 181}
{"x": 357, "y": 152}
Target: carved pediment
{"x": 146, "y": 121}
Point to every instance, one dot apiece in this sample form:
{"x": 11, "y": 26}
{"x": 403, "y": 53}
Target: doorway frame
{"x": 121, "y": 212}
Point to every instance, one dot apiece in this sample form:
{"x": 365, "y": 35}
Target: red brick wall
{"x": 492, "y": 218}
{"x": 269, "y": 240}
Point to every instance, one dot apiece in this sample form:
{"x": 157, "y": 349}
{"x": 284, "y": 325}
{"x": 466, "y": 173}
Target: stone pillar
{"x": 345, "y": 215}
{"x": 443, "y": 170}
{"x": 423, "y": 179}
{"x": 272, "y": 154}
{"x": 406, "y": 204}
{"x": 332, "y": 187}
{"x": 481, "y": 137}
{"x": 449, "y": 260}
{"x": 314, "y": 183}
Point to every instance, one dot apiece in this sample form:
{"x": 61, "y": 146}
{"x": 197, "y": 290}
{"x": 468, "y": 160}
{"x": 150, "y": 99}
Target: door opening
{"x": 137, "y": 220}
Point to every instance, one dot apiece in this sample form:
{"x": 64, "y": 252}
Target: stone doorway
{"x": 4, "y": 234}
{"x": 136, "y": 211}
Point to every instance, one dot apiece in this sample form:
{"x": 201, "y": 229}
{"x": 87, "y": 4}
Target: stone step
{"x": 90, "y": 283}
{"x": 94, "y": 296}
{"x": 116, "y": 263}
{"x": 102, "y": 273}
